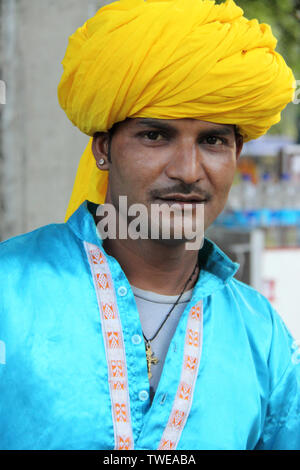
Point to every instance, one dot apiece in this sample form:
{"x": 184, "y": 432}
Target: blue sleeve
{"x": 281, "y": 429}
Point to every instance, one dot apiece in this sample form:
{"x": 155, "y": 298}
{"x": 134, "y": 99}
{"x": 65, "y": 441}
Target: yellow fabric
{"x": 170, "y": 59}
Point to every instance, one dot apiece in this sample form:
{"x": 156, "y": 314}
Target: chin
{"x": 172, "y": 242}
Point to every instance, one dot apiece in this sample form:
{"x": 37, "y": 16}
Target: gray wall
{"x": 39, "y": 148}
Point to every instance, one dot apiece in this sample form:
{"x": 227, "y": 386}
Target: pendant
{"x": 151, "y": 359}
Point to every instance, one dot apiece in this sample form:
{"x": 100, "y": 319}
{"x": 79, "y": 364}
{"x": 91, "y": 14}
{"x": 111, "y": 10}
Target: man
{"x": 139, "y": 343}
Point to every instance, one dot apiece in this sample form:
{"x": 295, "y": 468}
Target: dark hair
{"x": 116, "y": 125}
{"x": 111, "y": 133}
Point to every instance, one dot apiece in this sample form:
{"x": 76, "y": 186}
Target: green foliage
{"x": 284, "y": 18}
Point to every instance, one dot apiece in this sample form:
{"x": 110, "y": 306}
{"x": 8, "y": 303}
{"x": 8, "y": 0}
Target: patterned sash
{"x": 114, "y": 347}
{"x": 116, "y": 360}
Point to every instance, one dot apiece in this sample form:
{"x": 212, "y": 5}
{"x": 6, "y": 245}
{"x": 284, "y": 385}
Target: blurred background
{"x": 40, "y": 149}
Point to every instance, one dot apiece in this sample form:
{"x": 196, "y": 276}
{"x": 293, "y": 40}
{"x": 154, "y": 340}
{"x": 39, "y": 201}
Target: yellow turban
{"x": 170, "y": 59}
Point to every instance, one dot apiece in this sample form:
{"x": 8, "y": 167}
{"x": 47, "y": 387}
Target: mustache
{"x": 180, "y": 188}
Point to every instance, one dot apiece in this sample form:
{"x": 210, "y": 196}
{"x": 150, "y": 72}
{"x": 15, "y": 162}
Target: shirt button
{"x": 136, "y": 339}
{"x": 143, "y": 395}
{"x": 122, "y": 291}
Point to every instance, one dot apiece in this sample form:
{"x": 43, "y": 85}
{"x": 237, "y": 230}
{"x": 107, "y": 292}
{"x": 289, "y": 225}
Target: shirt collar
{"x": 83, "y": 225}
{"x": 216, "y": 268}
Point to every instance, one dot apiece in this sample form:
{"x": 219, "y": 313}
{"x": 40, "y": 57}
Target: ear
{"x": 100, "y": 148}
{"x": 239, "y": 145}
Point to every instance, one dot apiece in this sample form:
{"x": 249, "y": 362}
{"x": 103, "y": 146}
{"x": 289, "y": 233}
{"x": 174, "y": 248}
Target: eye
{"x": 213, "y": 140}
{"x": 153, "y": 135}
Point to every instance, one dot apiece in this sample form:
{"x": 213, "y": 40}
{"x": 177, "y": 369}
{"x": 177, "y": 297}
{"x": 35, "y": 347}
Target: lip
{"x": 182, "y": 199}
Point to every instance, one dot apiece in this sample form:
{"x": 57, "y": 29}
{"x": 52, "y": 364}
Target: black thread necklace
{"x": 151, "y": 359}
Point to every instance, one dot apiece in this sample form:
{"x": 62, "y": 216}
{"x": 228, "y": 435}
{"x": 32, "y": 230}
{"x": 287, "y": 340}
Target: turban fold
{"x": 170, "y": 59}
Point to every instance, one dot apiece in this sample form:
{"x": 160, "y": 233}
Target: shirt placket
{"x": 132, "y": 416}
{"x": 171, "y": 406}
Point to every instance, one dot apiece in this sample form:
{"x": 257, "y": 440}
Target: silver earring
{"x": 101, "y": 161}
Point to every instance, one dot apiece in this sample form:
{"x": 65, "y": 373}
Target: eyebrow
{"x": 160, "y": 125}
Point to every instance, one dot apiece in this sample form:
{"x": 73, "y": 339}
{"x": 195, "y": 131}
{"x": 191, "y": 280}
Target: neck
{"x": 154, "y": 266}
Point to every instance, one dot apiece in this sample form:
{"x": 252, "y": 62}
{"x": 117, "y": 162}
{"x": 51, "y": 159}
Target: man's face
{"x": 154, "y": 161}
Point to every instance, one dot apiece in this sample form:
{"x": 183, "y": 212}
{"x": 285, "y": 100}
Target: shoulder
{"x": 254, "y": 307}
{"x": 43, "y": 242}
{"x": 248, "y": 297}
{"x": 28, "y": 240}
{"x": 265, "y": 328}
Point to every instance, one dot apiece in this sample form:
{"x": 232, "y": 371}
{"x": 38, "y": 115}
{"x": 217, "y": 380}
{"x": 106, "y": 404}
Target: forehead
{"x": 179, "y": 125}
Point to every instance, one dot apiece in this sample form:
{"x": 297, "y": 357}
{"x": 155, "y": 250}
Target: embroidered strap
{"x": 184, "y": 396}
{"x": 114, "y": 347}
{"x": 116, "y": 360}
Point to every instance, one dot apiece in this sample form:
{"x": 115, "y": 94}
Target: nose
{"x": 186, "y": 162}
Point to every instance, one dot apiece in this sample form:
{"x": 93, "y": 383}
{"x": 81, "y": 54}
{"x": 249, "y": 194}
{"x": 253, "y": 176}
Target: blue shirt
{"x": 57, "y": 380}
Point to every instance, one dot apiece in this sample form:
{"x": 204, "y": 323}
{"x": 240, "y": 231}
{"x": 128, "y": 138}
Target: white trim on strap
{"x": 184, "y": 396}
{"x": 114, "y": 347}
